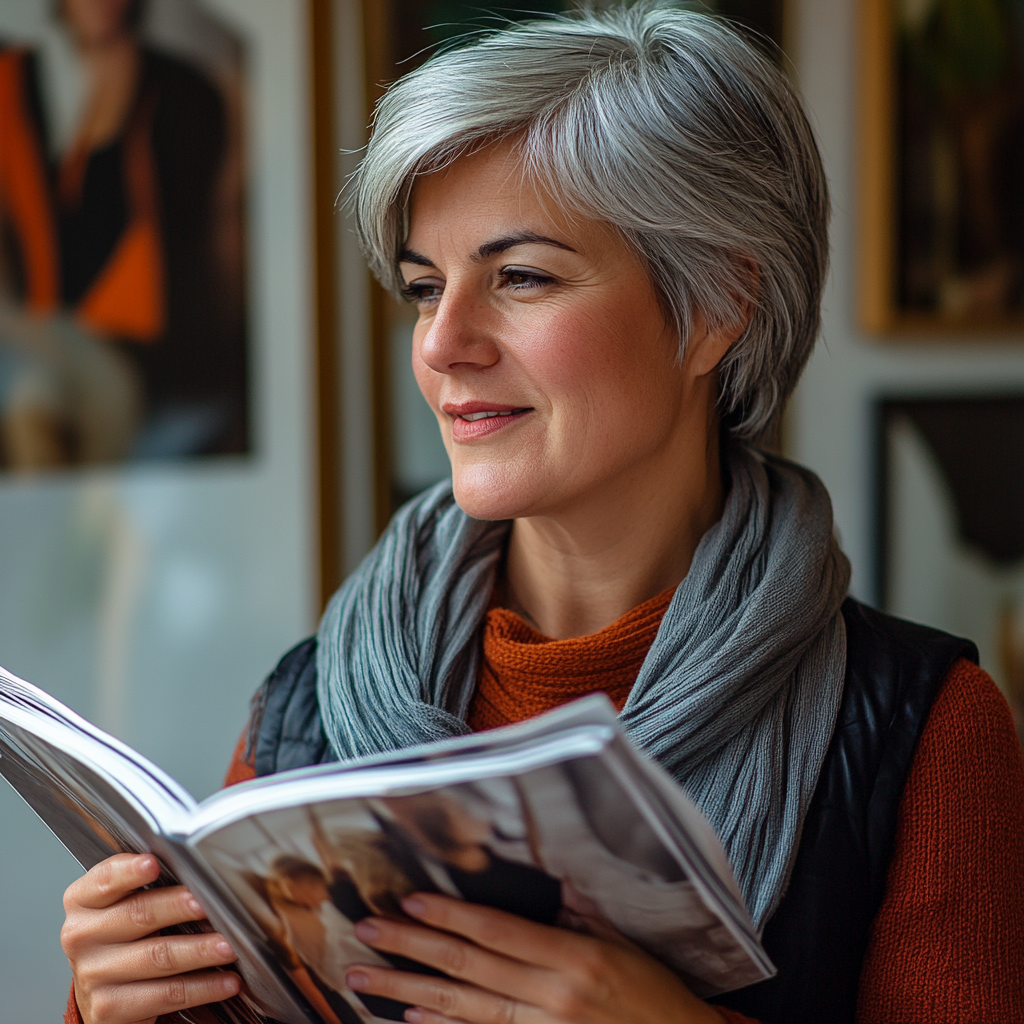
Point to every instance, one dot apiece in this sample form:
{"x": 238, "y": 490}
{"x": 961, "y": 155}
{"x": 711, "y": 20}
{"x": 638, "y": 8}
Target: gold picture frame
{"x": 940, "y": 296}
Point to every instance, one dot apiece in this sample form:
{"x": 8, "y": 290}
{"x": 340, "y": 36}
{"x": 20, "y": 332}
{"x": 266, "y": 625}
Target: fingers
{"x": 111, "y": 880}
{"x": 451, "y": 954}
{"x": 421, "y": 1015}
{"x": 149, "y": 911}
{"x": 134, "y": 917}
{"x": 583, "y": 978}
{"x": 124, "y": 969}
{"x": 121, "y": 1004}
{"x": 496, "y": 930}
{"x": 443, "y": 1000}
{"x": 161, "y": 956}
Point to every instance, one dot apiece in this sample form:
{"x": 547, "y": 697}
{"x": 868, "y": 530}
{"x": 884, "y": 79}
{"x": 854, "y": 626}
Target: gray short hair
{"x": 665, "y": 123}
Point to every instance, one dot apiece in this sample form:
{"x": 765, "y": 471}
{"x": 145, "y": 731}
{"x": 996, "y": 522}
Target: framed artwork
{"x": 166, "y": 449}
{"x": 950, "y": 518}
{"x": 941, "y": 171}
{"x": 408, "y": 453}
{"x": 124, "y": 267}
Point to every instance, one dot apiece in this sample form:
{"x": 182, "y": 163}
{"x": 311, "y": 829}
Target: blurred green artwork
{"x": 960, "y": 152}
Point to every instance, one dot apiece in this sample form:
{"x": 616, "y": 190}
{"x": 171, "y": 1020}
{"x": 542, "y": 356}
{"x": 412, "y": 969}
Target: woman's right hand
{"x": 125, "y": 971}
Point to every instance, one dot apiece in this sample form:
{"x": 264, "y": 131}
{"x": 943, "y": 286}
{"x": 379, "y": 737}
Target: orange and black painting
{"x": 122, "y": 245}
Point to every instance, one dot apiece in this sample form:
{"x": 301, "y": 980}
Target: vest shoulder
{"x": 894, "y": 672}
{"x": 284, "y": 727}
{"x": 890, "y": 661}
{"x": 900, "y": 638}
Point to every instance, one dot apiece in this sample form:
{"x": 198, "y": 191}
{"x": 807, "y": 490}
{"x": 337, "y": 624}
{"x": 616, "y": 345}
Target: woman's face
{"x": 540, "y": 345}
{"x": 95, "y": 22}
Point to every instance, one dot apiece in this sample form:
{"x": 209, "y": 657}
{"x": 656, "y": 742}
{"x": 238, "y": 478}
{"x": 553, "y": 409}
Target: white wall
{"x": 831, "y": 428}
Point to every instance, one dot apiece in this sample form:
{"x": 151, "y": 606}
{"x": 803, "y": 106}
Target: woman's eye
{"x": 422, "y": 293}
{"x": 522, "y": 280}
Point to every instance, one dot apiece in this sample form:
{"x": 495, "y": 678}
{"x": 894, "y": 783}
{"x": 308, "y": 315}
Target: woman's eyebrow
{"x": 488, "y": 249}
{"x": 408, "y": 256}
{"x": 498, "y": 245}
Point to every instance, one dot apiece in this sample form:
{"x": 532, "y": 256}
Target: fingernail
{"x": 194, "y": 905}
{"x": 366, "y": 931}
{"x": 413, "y": 1016}
{"x": 356, "y": 980}
{"x": 224, "y": 948}
{"x": 414, "y": 907}
{"x": 230, "y": 983}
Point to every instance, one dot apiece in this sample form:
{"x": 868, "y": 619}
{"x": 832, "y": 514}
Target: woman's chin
{"x": 486, "y": 492}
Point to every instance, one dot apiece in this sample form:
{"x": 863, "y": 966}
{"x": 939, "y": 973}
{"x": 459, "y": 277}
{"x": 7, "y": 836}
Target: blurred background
{"x": 207, "y": 412}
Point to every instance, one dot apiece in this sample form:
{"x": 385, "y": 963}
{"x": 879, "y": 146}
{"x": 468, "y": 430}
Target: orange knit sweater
{"x": 524, "y": 673}
{"x": 947, "y": 945}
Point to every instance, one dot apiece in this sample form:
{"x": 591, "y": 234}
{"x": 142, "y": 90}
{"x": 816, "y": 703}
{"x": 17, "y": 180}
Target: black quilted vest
{"x": 818, "y": 936}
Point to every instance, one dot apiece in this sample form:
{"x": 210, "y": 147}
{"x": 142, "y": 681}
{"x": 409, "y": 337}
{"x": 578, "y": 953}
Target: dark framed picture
{"x": 941, "y": 171}
{"x": 408, "y": 452}
{"x": 950, "y": 518}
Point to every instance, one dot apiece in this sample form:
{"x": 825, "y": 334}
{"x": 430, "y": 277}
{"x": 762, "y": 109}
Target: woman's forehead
{"x": 491, "y": 180}
{"x": 485, "y": 203}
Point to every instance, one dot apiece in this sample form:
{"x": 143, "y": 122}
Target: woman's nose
{"x": 460, "y": 334}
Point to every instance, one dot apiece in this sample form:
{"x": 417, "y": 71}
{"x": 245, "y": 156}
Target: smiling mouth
{"x": 472, "y": 417}
{"x": 474, "y": 426}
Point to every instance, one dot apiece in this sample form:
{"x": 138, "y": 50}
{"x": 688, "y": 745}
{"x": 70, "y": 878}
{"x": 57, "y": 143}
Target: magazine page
{"x": 595, "y": 710}
{"x": 75, "y": 739}
{"x": 686, "y": 828}
{"x": 308, "y": 874}
{"x": 99, "y": 802}
{"x": 78, "y": 809}
{"x": 557, "y": 840}
{"x": 309, "y": 786}
{"x": 604, "y": 837}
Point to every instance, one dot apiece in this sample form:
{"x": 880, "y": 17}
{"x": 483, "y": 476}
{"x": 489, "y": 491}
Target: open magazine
{"x": 559, "y": 819}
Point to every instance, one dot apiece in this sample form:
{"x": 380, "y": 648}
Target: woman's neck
{"x": 576, "y": 571}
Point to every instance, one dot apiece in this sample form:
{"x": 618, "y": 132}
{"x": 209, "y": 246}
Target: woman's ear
{"x": 707, "y": 346}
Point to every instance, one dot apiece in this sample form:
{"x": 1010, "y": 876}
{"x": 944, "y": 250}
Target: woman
{"x": 614, "y": 228}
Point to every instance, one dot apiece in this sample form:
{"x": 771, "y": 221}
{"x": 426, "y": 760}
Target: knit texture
{"x": 948, "y": 942}
{"x": 525, "y": 673}
{"x": 241, "y": 769}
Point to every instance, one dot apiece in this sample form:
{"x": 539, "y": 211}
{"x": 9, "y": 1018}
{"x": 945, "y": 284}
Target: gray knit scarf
{"x": 737, "y": 697}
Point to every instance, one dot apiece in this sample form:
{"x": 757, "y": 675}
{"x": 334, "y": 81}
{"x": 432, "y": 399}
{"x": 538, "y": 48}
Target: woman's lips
{"x": 484, "y": 423}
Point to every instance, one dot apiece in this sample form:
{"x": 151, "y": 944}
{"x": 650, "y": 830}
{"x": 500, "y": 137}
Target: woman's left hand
{"x": 512, "y": 971}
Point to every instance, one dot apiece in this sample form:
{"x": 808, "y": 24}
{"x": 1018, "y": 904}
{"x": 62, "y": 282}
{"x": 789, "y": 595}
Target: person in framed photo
{"x": 614, "y": 229}
{"x": 122, "y": 331}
